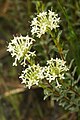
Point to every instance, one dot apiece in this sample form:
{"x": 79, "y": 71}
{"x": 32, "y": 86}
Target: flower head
{"x": 55, "y": 70}
{"x": 19, "y": 48}
{"x": 43, "y": 22}
{"x": 32, "y": 75}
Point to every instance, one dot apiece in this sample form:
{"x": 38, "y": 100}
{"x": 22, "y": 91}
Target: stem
{"x": 72, "y": 89}
{"x": 57, "y": 45}
{"x": 57, "y": 93}
{"x": 30, "y": 62}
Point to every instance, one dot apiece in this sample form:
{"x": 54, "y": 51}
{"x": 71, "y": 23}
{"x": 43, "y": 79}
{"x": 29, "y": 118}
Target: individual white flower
{"x": 19, "y": 48}
{"x": 43, "y": 22}
{"x": 55, "y": 70}
{"x": 32, "y": 75}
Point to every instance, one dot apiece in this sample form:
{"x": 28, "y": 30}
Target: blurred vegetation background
{"x": 16, "y": 102}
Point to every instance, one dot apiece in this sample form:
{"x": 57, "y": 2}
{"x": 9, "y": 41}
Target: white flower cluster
{"x": 32, "y": 75}
{"x": 43, "y": 22}
{"x": 19, "y": 48}
{"x": 54, "y": 71}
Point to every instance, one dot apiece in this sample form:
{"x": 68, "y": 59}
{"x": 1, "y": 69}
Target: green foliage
{"x": 60, "y": 83}
{"x": 15, "y": 20}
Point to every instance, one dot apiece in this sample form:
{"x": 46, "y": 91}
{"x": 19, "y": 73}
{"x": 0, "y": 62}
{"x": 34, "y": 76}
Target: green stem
{"x": 56, "y": 92}
{"x": 71, "y": 89}
{"x": 57, "y": 45}
{"x": 30, "y": 62}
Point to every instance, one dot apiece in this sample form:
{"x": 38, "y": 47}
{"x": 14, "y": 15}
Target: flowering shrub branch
{"x": 54, "y": 77}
